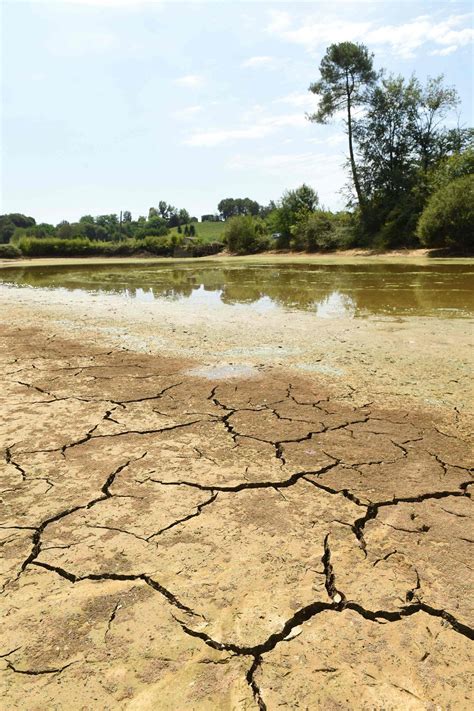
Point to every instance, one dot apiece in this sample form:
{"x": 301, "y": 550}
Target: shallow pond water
{"x": 329, "y": 290}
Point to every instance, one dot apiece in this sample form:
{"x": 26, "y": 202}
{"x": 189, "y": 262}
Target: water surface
{"x": 328, "y": 290}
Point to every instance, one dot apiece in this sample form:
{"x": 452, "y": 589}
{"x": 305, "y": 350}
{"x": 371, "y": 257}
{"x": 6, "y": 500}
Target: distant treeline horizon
{"x": 410, "y": 183}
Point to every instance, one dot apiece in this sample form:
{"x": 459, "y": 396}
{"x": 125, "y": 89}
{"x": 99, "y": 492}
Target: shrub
{"x": 448, "y": 218}
{"x": 54, "y": 247}
{"x": 321, "y": 231}
{"x": 9, "y": 251}
{"x": 312, "y": 232}
{"x": 161, "y": 246}
{"x": 399, "y": 228}
{"x": 245, "y": 235}
{"x": 202, "y": 249}
{"x": 166, "y": 246}
{"x": 449, "y": 169}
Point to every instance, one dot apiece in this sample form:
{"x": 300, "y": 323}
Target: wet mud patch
{"x": 223, "y": 372}
{"x": 250, "y": 542}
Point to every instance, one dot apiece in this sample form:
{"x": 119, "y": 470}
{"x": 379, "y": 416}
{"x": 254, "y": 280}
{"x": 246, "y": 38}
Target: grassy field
{"x": 207, "y": 231}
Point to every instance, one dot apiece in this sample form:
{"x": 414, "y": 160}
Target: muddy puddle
{"x": 328, "y": 290}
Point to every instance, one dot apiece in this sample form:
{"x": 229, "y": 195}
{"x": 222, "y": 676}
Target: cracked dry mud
{"x": 169, "y": 542}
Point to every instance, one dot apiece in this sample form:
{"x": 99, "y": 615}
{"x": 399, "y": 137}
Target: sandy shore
{"x": 193, "y": 519}
{"x": 359, "y": 256}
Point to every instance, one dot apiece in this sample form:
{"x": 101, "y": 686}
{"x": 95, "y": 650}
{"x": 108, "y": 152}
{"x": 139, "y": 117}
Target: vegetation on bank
{"x": 206, "y": 232}
{"x": 411, "y": 184}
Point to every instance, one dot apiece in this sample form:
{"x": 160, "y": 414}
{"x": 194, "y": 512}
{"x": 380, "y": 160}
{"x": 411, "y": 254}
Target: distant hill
{"x": 206, "y": 231}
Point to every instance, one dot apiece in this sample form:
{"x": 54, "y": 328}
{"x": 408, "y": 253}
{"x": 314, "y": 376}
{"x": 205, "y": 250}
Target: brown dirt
{"x": 172, "y": 542}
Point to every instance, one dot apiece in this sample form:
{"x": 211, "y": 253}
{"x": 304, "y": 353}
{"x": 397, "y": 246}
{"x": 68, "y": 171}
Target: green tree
{"x": 435, "y": 101}
{"x": 293, "y": 205}
{"x": 452, "y": 167}
{"x": 314, "y": 232}
{"x": 64, "y": 230}
{"x": 346, "y": 72}
{"x": 183, "y": 216}
{"x": 227, "y": 208}
{"x": 245, "y": 234}
{"x": 448, "y": 218}
{"x": 10, "y": 222}
{"x": 154, "y": 227}
{"x": 399, "y": 139}
{"x": 386, "y": 138}
{"x": 44, "y": 230}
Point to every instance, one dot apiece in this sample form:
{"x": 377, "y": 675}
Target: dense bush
{"x": 12, "y": 221}
{"x": 166, "y": 246}
{"x": 9, "y": 251}
{"x": 322, "y": 231}
{"x": 455, "y": 166}
{"x": 154, "y": 227}
{"x": 246, "y": 235}
{"x": 399, "y": 224}
{"x": 53, "y": 247}
{"x": 314, "y": 232}
{"x": 293, "y": 208}
{"x": 201, "y": 249}
{"x": 448, "y": 218}
{"x": 161, "y": 246}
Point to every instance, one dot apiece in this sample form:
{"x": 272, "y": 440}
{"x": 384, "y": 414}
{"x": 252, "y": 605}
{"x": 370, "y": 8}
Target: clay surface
{"x": 274, "y": 539}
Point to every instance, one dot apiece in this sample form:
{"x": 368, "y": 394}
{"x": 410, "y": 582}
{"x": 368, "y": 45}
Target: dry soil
{"x": 179, "y": 534}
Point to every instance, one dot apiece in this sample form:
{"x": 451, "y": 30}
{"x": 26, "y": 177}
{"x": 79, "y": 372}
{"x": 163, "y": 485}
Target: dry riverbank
{"x": 356, "y": 256}
{"x": 194, "y": 519}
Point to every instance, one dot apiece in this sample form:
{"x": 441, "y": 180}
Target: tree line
{"x": 410, "y": 181}
{"x": 403, "y": 157}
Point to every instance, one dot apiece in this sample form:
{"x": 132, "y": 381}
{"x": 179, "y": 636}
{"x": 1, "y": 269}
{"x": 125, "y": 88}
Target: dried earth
{"x": 174, "y": 542}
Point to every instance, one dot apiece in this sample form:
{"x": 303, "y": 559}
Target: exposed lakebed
{"x": 210, "y": 490}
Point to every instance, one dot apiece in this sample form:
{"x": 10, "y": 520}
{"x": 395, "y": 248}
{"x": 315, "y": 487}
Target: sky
{"x": 112, "y": 105}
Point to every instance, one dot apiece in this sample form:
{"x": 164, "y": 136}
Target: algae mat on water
{"x": 172, "y": 541}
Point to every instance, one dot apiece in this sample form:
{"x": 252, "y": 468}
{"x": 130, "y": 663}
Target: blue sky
{"x": 113, "y": 105}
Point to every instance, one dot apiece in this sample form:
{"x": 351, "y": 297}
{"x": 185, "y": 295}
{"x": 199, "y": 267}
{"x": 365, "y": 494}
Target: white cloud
{"x": 337, "y": 139}
{"x": 187, "y": 113}
{"x": 79, "y": 43}
{"x": 280, "y": 21}
{"x": 98, "y": 3}
{"x": 261, "y": 127}
{"x": 276, "y": 162}
{"x": 304, "y": 99}
{"x": 192, "y": 81}
{"x": 445, "y": 51}
{"x": 207, "y": 139}
{"x": 293, "y": 120}
{"x": 404, "y": 39}
{"x": 259, "y": 61}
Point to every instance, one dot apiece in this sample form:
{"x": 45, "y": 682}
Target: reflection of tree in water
{"x": 367, "y": 288}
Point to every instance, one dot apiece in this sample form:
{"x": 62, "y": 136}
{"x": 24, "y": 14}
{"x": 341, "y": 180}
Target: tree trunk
{"x": 355, "y": 177}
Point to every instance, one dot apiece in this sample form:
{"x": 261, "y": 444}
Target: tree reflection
{"x": 328, "y": 290}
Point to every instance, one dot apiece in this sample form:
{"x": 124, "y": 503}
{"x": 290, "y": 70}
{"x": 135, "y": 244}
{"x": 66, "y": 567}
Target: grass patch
{"x": 206, "y": 232}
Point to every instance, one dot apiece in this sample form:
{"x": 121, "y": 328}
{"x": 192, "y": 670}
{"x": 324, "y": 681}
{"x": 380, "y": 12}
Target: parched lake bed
{"x": 237, "y": 484}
